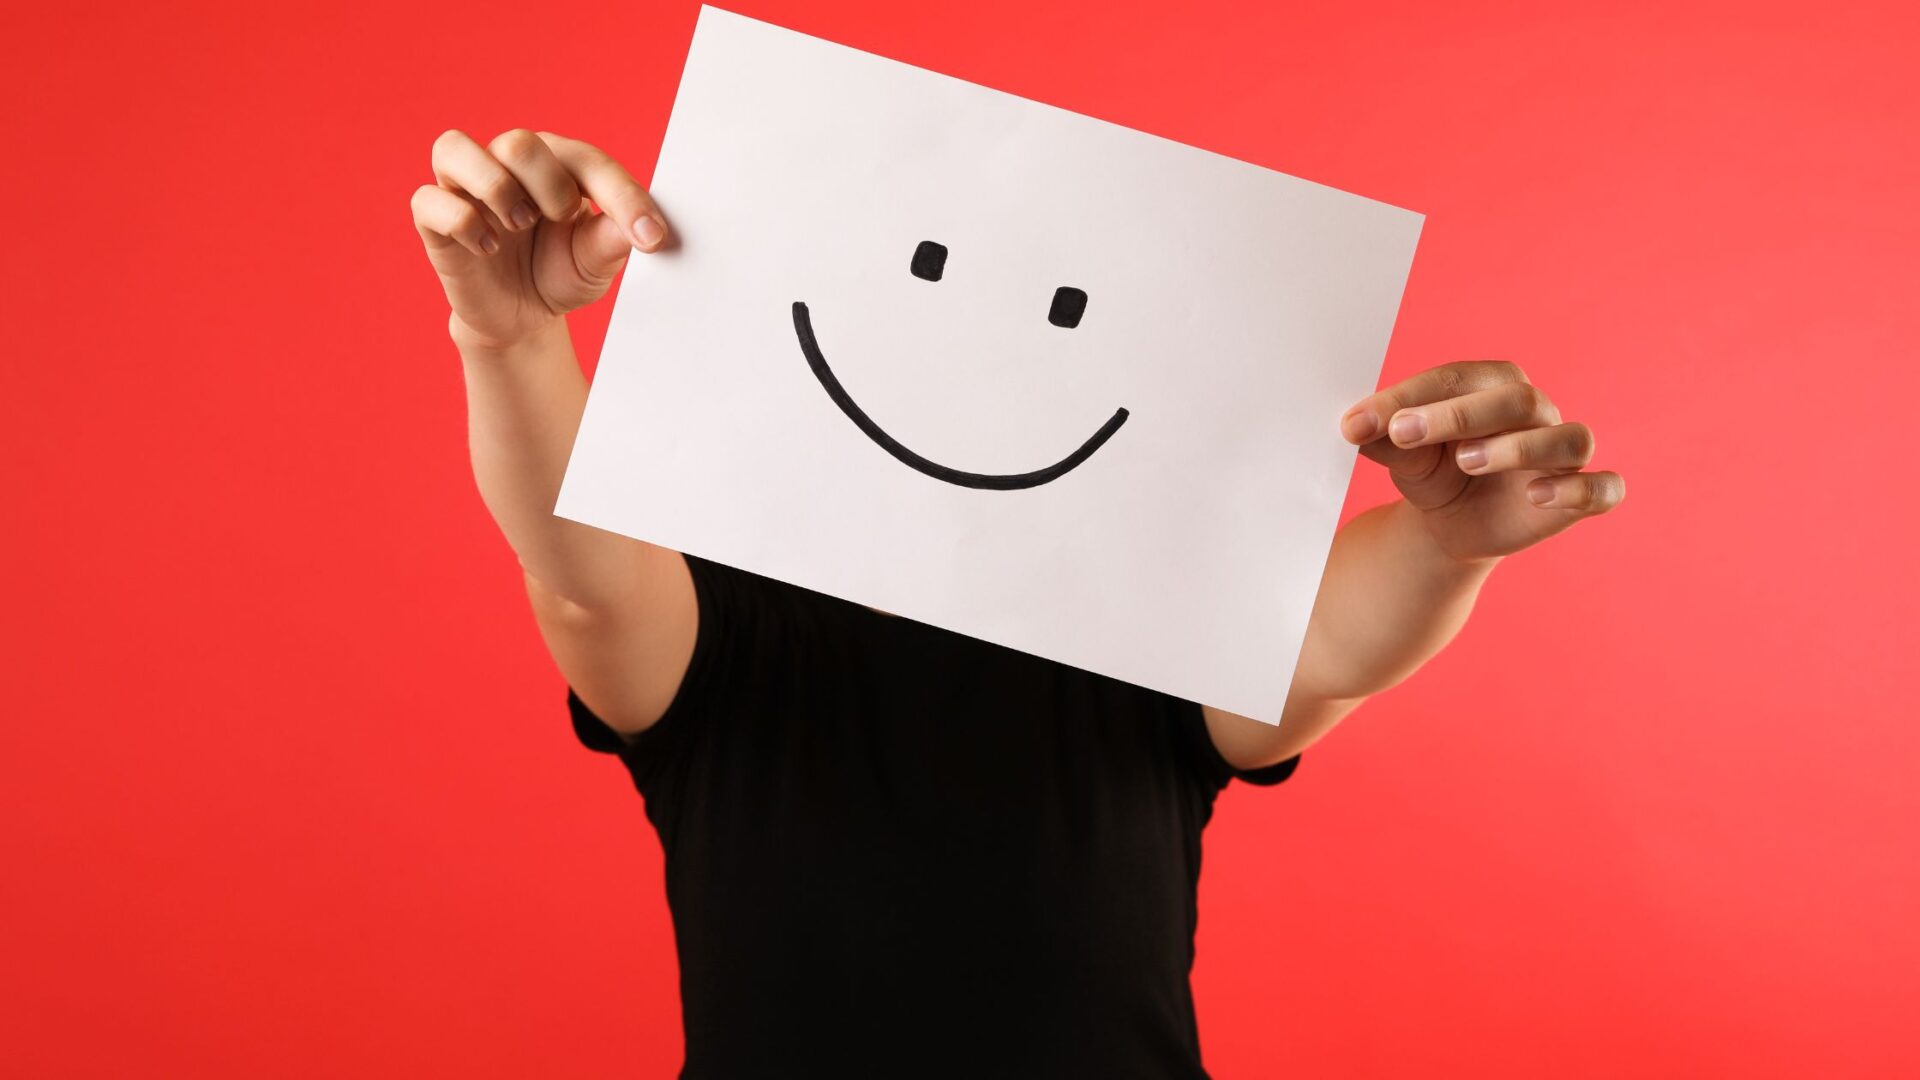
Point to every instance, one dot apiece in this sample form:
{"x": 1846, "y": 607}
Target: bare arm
{"x": 516, "y": 245}
{"x": 1388, "y": 603}
{"x": 617, "y": 614}
{"x": 1486, "y": 468}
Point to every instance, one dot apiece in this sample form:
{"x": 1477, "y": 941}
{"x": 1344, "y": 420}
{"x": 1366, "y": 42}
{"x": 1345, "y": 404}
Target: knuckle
{"x": 446, "y": 141}
{"x": 498, "y": 188}
{"x": 1386, "y": 405}
{"x": 517, "y": 144}
{"x": 1486, "y": 374}
{"x": 465, "y": 220}
{"x": 1514, "y": 398}
{"x": 1577, "y": 491}
{"x": 567, "y": 149}
{"x": 1454, "y": 379}
{"x": 1534, "y": 403}
{"x": 1508, "y": 371}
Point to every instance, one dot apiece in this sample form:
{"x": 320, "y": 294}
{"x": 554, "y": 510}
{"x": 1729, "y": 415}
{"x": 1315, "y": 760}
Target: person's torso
{"x": 893, "y": 850}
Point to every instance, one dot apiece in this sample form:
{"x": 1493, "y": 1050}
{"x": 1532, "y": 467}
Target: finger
{"x": 445, "y": 219}
{"x": 1367, "y": 419}
{"x": 1507, "y": 407}
{"x": 462, "y": 165}
{"x": 1588, "y": 493}
{"x": 539, "y": 174}
{"x": 1417, "y": 463}
{"x": 613, "y": 189}
{"x": 1559, "y": 448}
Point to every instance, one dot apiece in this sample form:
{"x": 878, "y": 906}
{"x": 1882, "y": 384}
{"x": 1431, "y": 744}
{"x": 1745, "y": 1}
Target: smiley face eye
{"x": 929, "y": 260}
{"x": 1069, "y": 304}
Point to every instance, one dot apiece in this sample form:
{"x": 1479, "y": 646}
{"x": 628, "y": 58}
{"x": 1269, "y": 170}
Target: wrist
{"x": 475, "y": 347}
{"x": 1411, "y": 521}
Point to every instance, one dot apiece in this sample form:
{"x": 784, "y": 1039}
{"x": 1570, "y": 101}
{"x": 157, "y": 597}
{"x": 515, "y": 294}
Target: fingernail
{"x": 523, "y": 215}
{"x": 1541, "y": 492}
{"x": 1471, "y": 455}
{"x": 488, "y": 244}
{"x": 1361, "y": 426}
{"x": 647, "y": 233}
{"x": 1408, "y": 427}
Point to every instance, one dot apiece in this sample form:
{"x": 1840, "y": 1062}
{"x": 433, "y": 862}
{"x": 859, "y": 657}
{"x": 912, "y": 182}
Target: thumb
{"x": 601, "y": 246}
{"x": 1425, "y": 475}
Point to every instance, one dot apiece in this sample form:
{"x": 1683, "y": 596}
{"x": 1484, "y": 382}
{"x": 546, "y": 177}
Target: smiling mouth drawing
{"x": 803, "y": 328}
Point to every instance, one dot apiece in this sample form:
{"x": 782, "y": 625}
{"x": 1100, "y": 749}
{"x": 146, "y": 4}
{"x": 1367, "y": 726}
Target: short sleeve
{"x": 723, "y": 598}
{"x": 1268, "y": 775}
{"x": 1217, "y": 769}
{"x": 593, "y": 732}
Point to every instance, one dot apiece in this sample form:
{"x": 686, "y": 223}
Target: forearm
{"x": 523, "y": 409}
{"x": 1389, "y": 601}
{"x": 1488, "y": 456}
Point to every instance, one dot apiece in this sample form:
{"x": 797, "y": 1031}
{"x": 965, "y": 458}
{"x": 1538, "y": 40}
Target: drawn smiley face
{"x": 929, "y": 264}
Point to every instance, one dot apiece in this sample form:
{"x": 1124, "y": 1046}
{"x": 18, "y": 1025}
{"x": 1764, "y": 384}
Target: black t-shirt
{"x": 896, "y": 851}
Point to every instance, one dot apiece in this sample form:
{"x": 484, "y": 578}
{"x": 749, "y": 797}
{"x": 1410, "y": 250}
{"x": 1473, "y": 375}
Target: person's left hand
{"x": 1484, "y": 455}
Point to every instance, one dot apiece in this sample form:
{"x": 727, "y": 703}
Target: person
{"x": 892, "y": 850}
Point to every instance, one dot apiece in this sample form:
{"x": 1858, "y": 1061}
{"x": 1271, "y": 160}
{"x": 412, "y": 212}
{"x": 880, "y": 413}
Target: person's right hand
{"x": 509, "y": 229}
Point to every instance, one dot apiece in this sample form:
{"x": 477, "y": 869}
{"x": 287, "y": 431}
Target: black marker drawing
{"x": 929, "y": 260}
{"x": 1069, "y": 304}
{"x": 803, "y": 328}
{"x": 929, "y": 263}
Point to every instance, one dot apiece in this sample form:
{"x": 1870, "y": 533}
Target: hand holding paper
{"x": 1488, "y": 468}
{"x": 509, "y": 231}
{"x": 1484, "y": 454}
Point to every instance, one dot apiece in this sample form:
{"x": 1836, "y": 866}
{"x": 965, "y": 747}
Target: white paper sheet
{"x": 1233, "y": 312}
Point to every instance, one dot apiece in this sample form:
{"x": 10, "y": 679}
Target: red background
{"x": 290, "y": 789}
